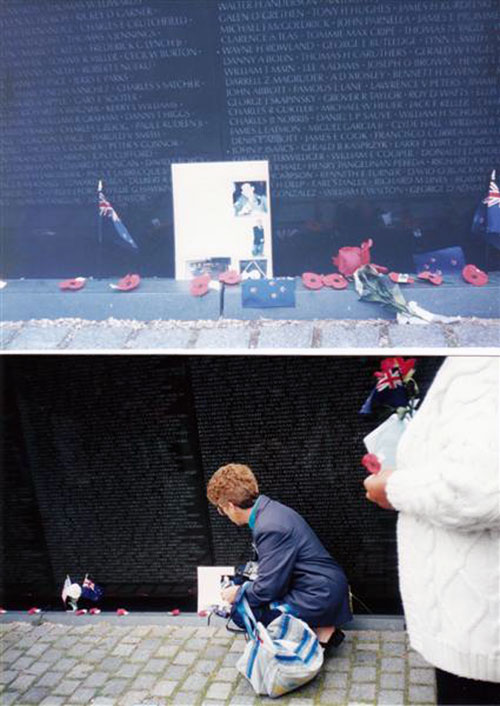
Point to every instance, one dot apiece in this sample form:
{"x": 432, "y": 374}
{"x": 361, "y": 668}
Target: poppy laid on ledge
{"x": 335, "y": 280}
{"x": 230, "y": 277}
{"x": 199, "y": 285}
{"x": 73, "y": 285}
{"x": 432, "y": 277}
{"x": 127, "y": 283}
{"x": 401, "y": 278}
{"x": 371, "y": 463}
{"x": 312, "y": 281}
{"x": 473, "y": 275}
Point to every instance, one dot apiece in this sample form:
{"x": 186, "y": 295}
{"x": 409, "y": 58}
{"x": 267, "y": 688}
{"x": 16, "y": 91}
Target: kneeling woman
{"x": 294, "y": 567}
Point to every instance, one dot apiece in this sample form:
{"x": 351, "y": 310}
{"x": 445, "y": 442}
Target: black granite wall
{"x": 107, "y": 458}
{"x": 361, "y": 108}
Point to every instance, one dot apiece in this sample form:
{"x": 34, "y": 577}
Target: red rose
{"x": 199, "y": 285}
{"x": 350, "y": 258}
{"x": 473, "y": 275}
{"x": 371, "y": 463}
{"x": 230, "y": 277}
{"x": 312, "y": 280}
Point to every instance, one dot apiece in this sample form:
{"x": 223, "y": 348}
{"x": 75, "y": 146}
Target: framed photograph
{"x": 253, "y": 269}
{"x": 221, "y": 208}
{"x": 212, "y": 266}
{"x": 250, "y": 198}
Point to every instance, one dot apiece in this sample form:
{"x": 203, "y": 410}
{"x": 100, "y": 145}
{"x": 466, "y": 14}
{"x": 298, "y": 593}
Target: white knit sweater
{"x": 446, "y": 488}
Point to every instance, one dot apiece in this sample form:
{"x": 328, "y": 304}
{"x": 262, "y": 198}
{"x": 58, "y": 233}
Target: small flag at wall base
{"x": 91, "y": 590}
{"x": 106, "y": 210}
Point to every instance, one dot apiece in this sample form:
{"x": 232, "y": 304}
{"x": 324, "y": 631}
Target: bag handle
{"x": 243, "y": 608}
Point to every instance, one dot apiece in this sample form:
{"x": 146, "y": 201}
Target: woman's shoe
{"x": 335, "y": 640}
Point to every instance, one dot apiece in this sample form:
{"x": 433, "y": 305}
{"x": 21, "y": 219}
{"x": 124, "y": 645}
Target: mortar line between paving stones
{"x": 68, "y": 337}
{"x": 14, "y": 333}
{"x": 132, "y": 335}
{"x": 317, "y": 336}
{"x": 193, "y": 339}
{"x": 450, "y": 336}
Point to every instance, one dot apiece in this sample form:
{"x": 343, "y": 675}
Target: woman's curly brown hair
{"x": 233, "y": 483}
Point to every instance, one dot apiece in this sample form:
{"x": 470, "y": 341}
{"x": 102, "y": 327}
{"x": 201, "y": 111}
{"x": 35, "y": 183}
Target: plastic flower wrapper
{"x": 371, "y": 286}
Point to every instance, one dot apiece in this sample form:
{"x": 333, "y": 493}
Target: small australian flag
{"x": 91, "y": 590}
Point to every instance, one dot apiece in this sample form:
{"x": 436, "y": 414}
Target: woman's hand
{"x": 375, "y": 486}
{"x": 229, "y": 594}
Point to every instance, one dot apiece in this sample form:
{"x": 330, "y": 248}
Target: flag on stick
{"x": 91, "y": 590}
{"x": 487, "y": 216}
{"x": 106, "y": 210}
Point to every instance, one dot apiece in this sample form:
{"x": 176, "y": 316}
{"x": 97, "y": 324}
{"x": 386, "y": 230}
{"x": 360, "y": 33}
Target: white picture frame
{"x": 221, "y": 210}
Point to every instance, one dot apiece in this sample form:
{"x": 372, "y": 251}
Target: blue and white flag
{"x": 487, "y": 216}
{"x": 91, "y": 590}
{"x": 106, "y": 210}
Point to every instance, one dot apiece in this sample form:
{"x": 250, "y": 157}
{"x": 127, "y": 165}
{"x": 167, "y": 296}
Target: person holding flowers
{"x": 445, "y": 486}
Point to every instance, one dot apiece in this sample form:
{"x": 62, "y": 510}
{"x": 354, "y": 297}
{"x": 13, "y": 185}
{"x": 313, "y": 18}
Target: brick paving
{"x": 110, "y": 664}
{"x": 122, "y": 335}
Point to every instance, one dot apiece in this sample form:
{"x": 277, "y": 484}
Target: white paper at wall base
{"x": 209, "y": 582}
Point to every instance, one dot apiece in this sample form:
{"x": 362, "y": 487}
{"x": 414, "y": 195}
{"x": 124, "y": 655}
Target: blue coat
{"x": 295, "y": 568}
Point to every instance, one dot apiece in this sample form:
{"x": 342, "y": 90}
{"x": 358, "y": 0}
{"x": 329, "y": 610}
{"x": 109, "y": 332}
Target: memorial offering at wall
{"x": 346, "y": 99}
{"x": 222, "y": 216}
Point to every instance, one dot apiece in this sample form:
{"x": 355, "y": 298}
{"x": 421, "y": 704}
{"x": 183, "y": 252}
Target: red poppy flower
{"x": 432, "y": 277}
{"x": 81, "y": 611}
{"x": 230, "y": 277}
{"x": 125, "y": 284}
{"x": 175, "y": 611}
{"x": 2, "y": 611}
{"x": 401, "y": 278}
{"x": 32, "y": 611}
{"x": 199, "y": 285}
{"x": 73, "y": 284}
{"x": 473, "y": 275}
{"x": 371, "y": 463}
{"x": 335, "y": 280}
{"x": 94, "y": 611}
{"x": 312, "y": 280}
{"x": 122, "y": 611}
{"x": 203, "y": 613}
